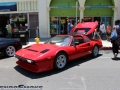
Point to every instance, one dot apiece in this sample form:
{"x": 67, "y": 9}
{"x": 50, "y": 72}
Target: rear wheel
{"x": 60, "y": 61}
{"x": 95, "y": 51}
{"x": 9, "y": 51}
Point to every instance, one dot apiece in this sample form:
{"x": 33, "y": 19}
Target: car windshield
{"x": 59, "y": 40}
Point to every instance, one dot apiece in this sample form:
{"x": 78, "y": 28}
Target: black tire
{"x": 61, "y": 64}
{"x": 95, "y": 51}
{"x": 10, "y": 51}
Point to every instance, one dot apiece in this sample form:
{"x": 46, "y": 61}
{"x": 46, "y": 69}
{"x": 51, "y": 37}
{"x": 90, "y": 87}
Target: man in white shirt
{"x": 116, "y": 27}
{"x": 102, "y": 30}
{"x": 102, "y": 27}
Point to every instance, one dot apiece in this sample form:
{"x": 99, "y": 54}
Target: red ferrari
{"x": 56, "y": 52}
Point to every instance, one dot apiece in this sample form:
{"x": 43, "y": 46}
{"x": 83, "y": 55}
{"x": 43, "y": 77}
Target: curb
{"x": 107, "y": 48}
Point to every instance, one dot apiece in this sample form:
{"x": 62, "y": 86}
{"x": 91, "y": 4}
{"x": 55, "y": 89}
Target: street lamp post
{"x": 76, "y": 10}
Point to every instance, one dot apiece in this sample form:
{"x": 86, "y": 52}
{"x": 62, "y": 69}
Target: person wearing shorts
{"x": 108, "y": 31}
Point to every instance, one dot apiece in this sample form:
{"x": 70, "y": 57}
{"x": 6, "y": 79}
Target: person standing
{"x": 102, "y": 29}
{"x": 70, "y": 26}
{"x": 116, "y": 26}
{"x": 9, "y": 29}
{"x": 115, "y": 47}
{"x": 108, "y": 31}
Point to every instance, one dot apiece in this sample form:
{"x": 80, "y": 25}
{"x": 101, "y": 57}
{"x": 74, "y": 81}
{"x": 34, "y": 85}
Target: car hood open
{"x": 85, "y": 28}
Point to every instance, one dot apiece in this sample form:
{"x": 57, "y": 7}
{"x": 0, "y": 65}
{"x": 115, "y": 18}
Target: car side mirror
{"x": 72, "y": 45}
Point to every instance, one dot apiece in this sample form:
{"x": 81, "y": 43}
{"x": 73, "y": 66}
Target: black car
{"x": 9, "y": 46}
{"x": 15, "y": 33}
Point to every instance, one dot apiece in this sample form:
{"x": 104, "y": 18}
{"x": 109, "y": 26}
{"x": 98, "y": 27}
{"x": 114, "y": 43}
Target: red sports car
{"x": 56, "y": 52}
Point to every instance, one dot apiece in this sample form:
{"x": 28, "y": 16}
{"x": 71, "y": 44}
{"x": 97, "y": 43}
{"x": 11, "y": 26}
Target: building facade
{"x": 52, "y": 16}
{"x": 20, "y": 12}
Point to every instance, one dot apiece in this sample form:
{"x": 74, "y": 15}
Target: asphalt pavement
{"x": 100, "y": 73}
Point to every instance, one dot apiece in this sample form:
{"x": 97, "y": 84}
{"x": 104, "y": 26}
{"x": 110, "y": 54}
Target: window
{"x": 72, "y": 43}
{"x": 59, "y": 40}
{"x": 87, "y": 39}
{"x": 78, "y": 40}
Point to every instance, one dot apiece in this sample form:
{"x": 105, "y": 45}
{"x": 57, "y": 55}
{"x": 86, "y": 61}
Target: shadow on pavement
{"x": 116, "y": 59}
{"x": 3, "y": 57}
{"x": 70, "y": 64}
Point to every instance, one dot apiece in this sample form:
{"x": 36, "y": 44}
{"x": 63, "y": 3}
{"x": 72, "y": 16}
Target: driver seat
{"x": 81, "y": 41}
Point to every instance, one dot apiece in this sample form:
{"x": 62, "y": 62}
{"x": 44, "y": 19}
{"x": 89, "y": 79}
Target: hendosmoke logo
{"x": 22, "y": 87}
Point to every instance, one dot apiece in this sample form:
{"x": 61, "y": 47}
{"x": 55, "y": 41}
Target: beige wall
{"x": 118, "y": 9}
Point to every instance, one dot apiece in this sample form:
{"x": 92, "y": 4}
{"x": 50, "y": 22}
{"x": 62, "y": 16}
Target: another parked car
{"x": 3, "y": 32}
{"x": 9, "y": 46}
{"x": 15, "y": 33}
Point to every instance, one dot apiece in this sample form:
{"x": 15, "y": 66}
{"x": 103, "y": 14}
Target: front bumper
{"x": 38, "y": 67}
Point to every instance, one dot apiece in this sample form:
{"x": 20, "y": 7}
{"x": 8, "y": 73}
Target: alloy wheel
{"x": 95, "y": 51}
{"x": 61, "y": 61}
{"x": 10, "y": 50}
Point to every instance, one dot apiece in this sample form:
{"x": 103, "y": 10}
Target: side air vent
{"x": 32, "y": 50}
{"x": 27, "y": 47}
{"x": 44, "y": 51}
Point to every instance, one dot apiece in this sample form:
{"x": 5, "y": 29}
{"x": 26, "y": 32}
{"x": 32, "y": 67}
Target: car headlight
{"x": 30, "y": 61}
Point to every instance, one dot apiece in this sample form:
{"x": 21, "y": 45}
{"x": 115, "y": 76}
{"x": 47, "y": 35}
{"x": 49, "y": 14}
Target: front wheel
{"x": 9, "y": 51}
{"x": 95, "y": 51}
{"x": 60, "y": 61}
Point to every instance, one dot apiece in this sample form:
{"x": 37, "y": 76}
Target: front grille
{"x": 24, "y": 60}
{"x": 21, "y": 58}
